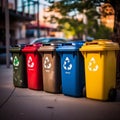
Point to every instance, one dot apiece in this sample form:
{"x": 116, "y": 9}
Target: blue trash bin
{"x": 72, "y": 69}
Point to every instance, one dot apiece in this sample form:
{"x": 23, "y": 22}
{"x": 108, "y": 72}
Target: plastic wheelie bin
{"x": 72, "y": 67}
{"x": 100, "y": 69}
{"x": 51, "y": 68}
{"x": 19, "y": 66}
{"x": 34, "y": 66}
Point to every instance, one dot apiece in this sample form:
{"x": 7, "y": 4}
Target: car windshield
{"x": 46, "y": 40}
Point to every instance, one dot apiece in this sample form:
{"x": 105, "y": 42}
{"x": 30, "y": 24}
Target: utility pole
{"x": 7, "y": 35}
{"x": 38, "y": 22}
{"x": 85, "y": 23}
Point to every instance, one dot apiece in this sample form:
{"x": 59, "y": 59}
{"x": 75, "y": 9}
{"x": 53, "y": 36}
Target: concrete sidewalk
{"x": 27, "y": 104}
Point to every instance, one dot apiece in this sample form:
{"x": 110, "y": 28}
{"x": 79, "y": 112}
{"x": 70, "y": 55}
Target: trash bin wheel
{"x": 84, "y": 91}
{"x": 112, "y": 94}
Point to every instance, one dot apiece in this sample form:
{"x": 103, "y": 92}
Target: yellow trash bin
{"x": 100, "y": 69}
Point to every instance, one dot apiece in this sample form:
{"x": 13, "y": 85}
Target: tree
{"x": 79, "y": 5}
{"x": 102, "y": 32}
{"x": 80, "y": 15}
{"x": 116, "y": 36}
{"x": 72, "y": 5}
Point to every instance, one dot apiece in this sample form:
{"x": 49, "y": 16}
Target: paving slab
{"x": 27, "y": 104}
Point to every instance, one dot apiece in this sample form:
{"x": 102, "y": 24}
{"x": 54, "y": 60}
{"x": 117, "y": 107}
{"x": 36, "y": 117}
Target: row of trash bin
{"x": 74, "y": 68}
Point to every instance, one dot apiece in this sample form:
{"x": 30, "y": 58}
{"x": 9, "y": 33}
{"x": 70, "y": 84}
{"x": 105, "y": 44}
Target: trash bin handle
{"x": 35, "y": 44}
{"x": 99, "y": 43}
{"x": 67, "y": 43}
{"x": 46, "y": 44}
{"x": 92, "y": 43}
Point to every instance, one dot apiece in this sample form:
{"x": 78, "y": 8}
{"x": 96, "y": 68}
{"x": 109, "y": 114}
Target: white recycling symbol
{"x": 30, "y": 62}
{"x": 92, "y": 65}
{"x": 16, "y": 61}
{"x": 67, "y": 65}
{"x": 47, "y": 63}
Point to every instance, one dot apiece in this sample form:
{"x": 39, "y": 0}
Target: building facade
{"x": 20, "y": 12}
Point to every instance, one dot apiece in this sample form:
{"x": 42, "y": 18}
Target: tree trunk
{"x": 116, "y": 36}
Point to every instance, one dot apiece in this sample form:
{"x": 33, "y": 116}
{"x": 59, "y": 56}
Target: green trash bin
{"x": 19, "y": 66}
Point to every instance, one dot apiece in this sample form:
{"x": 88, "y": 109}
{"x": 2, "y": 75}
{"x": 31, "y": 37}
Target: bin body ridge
{"x": 34, "y": 71}
{"x": 51, "y": 72}
{"x": 72, "y": 77}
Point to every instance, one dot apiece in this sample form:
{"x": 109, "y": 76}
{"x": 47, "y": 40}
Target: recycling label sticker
{"x": 16, "y": 61}
{"x": 92, "y": 65}
{"x": 47, "y": 63}
{"x": 67, "y": 64}
{"x": 30, "y": 62}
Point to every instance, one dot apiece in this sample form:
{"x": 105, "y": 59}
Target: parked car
{"x": 48, "y": 40}
{"x": 3, "y": 55}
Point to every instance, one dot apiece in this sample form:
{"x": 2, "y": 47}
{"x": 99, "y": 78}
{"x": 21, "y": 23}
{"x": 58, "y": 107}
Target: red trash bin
{"x": 34, "y": 66}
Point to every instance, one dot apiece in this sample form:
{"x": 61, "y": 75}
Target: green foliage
{"x": 73, "y": 26}
{"x": 102, "y": 32}
{"x": 68, "y": 30}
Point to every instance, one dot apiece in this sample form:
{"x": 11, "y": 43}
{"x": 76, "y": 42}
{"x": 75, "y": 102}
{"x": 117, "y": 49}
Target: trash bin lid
{"x": 53, "y": 44}
{"x": 49, "y": 47}
{"x": 17, "y": 47}
{"x": 100, "y": 45}
{"x": 70, "y": 46}
{"x": 31, "y": 48}
{"x": 77, "y": 43}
